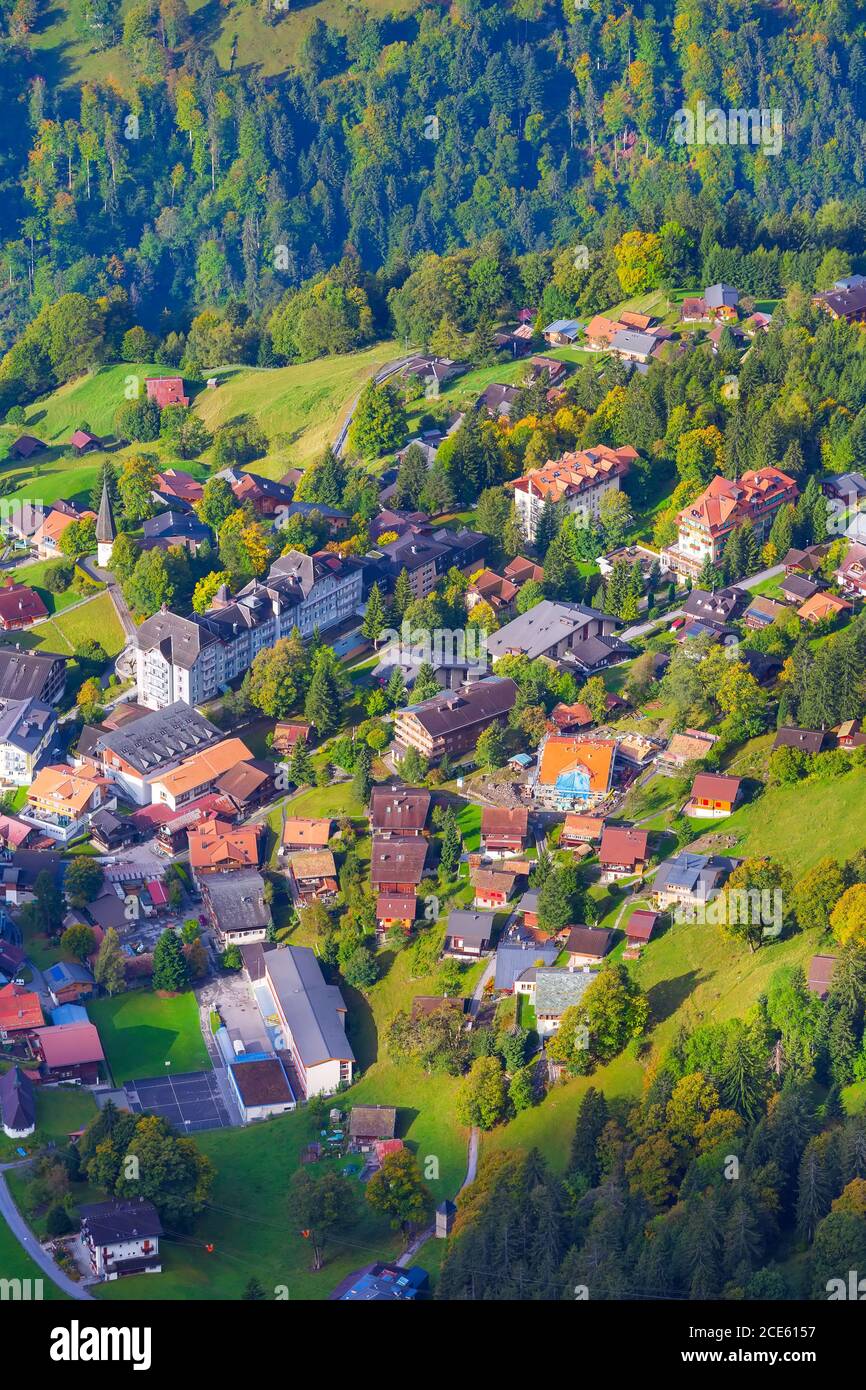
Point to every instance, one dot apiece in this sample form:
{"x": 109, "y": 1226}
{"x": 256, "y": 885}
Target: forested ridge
{"x": 192, "y": 186}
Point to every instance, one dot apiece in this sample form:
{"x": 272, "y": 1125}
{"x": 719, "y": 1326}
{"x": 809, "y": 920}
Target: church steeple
{"x": 106, "y": 531}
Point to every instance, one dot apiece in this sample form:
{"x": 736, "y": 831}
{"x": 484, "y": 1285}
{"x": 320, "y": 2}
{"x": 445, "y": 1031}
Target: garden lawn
{"x": 140, "y": 1032}
{"x": 249, "y": 1226}
{"x": 96, "y": 617}
{"x": 60, "y": 1111}
{"x": 336, "y": 800}
{"x": 469, "y": 824}
{"x": 300, "y": 408}
{"x": 693, "y": 975}
{"x": 34, "y": 575}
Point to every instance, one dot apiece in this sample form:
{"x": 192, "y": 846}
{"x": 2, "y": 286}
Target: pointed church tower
{"x": 106, "y": 531}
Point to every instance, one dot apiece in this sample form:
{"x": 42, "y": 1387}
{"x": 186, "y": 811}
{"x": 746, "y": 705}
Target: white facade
{"x": 583, "y": 505}
{"x": 105, "y": 1258}
{"x": 226, "y": 649}
{"x": 17, "y": 768}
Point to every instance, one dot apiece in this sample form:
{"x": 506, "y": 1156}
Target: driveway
{"x": 750, "y": 582}
{"x": 390, "y": 369}
{"x": 233, "y": 996}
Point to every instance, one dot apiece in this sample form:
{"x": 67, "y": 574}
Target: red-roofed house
{"x": 83, "y": 442}
{"x": 70, "y": 1051}
{"x": 175, "y": 482}
{"x": 20, "y": 1012}
{"x": 713, "y": 795}
{"x": 20, "y": 606}
{"x": 577, "y": 481}
{"x": 640, "y": 928}
{"x": 623, "y": 851}
{"x": 396, "y": 910}
{"x": 384, "y": 1147}
{"x": 851, "y": 574}
{"x": 166, "y": 390}
{"x": 705, "y": 524}
{"x": 503, "y": 830}
{"x": 157, "y": 893}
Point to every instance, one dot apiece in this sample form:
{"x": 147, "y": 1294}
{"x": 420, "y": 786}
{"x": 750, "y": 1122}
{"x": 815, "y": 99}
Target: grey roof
{"x": 721, "y": 295}
{"x": 474, "y": 927}
{"x": 569, "y": 327}
{"x": 697, "y": 874}
{"x": 842, "y": 302}
{"x": 537, "y": 631}
{"x": 594, "y": 650}
{"x": 180, "y": 640}
{"x": 851, "y": 484}
{"x": 512, "y": 960}
{"x": 17, "y": 1101}
{"x": 627, "y": 340}
{"x": 25, "y": 675}
{"x": 798, "y": 585}
{"x": 313, "y": 1010}
{"x": 67, "y": 972}
{"x": 529, "y": 901}
{"x": 176, "y": 523}
{"x": 106, "y": 531}
{"x": 497, "y": 398}
{"x": 237, "y": 900}
{"x": 809, "y": 740}
{"x": 714, "y": 606}
{"x": 160, "y": 739}
{"x": 413, "y": 551}
{"x": 557, "y": 990}
{"x": 24, "y": 723}
{"x": 110, "y": 1222}
{"x": 108, "y": 910}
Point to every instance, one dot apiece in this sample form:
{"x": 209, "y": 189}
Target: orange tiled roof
{"x": 726, "y": 500}
{"x": 574, "y": 472}
{"x": 205, "y": 766}
{"x": 822, "y": 605}
{"x": 303, "y": 830}
{"x": 563, "y": 753}
{"x": 19, "y": 1008}
{"x": 215, "y": 843}
{"x": 57, "y": 785}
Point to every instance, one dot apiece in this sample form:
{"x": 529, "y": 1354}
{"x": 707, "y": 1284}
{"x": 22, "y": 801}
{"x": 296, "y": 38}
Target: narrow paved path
{"x": 390, "y": 369}
{"x": 28, "y": 1242}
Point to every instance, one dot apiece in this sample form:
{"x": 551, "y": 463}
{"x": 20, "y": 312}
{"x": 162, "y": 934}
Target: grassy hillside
{"x": 786, "y": 822}
{"x": 299, "y": 408}
{"x": 97, "y": 617}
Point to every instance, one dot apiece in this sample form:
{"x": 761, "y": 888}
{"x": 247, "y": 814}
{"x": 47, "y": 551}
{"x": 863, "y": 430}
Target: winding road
{"x": 30, "y": 1245}
{"x": 390, "y": 369}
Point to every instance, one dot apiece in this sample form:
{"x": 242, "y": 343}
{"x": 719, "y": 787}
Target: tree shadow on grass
{"x": 668, "y": 995}
{"x": 151, "y": 1044}
{"x": 361, "y": 1027}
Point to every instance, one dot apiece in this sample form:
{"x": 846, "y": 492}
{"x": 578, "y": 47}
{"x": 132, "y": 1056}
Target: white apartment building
{"x": 194, "y": 659}
{"x": 577, "y": 482}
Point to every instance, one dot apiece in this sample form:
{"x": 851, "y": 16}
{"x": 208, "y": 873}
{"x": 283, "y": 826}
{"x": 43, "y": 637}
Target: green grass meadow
{"x": 141, "y": 1031}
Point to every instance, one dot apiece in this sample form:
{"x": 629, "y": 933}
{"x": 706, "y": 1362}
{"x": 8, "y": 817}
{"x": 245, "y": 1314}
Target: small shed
{"x": 445, "y": 1214}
